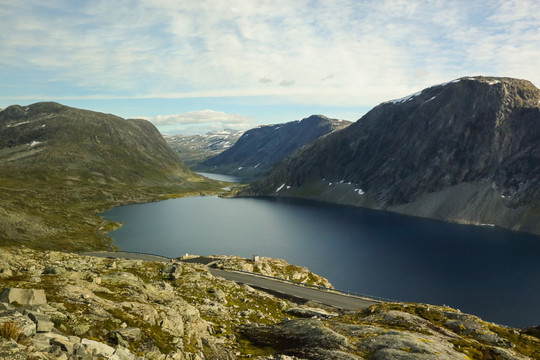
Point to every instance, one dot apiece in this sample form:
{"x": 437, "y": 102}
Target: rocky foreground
{"x": 56, "y": 305}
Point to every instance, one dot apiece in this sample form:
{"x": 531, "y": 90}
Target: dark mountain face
{"x": 466, "y": 151}
{"x": 260, "y": 148}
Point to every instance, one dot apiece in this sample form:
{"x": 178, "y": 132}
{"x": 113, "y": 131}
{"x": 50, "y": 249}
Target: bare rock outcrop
{"x": 273, "y": 267}
{"x": 132, "y": 310}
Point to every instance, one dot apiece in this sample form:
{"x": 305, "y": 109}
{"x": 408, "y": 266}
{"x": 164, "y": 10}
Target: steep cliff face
{"x": 465, "y": 151}
{"x": 260, "y": 148}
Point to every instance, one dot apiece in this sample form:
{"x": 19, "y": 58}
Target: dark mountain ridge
{"x": 260, "y": 148}
{"x": 465, "y": 151}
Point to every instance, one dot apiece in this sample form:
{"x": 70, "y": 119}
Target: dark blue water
{"x": 489, "y": 272}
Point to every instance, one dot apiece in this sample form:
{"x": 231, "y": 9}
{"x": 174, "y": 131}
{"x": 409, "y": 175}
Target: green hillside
{"x": 59, "y": 166}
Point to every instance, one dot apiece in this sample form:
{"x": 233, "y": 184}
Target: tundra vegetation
{"x": 132, "y": 309}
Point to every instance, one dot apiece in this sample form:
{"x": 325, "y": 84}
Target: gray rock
{"x": 128, "y": 334}
{"x": 53, "y": 270}
{"x": 23, "y": 296}
{"x": 43, "y": 322}
{"x": 308, "y": 312}
{"x": 97, "y": 349}
{"x": 220, "y": 296}
{"x": 478, "y": 331}
{"x": 306, "y": 333}
{"x": 5, "y": 271}
{"x": 25, "y": 325}
{"x": 175, "y": 271}
{"x": 409, "y": 346}
{"x": 124, "y": 354}
{"x": 40, "y": 341}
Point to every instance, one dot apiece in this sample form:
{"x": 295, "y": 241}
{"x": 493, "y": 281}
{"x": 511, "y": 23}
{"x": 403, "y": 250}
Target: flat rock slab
{"x": 23, "y": 296}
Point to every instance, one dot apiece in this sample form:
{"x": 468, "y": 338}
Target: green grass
{"x": 44, "y": 211}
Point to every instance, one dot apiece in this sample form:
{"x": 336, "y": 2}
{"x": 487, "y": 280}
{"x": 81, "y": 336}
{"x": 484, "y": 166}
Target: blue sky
{"x": 190, "y": 66}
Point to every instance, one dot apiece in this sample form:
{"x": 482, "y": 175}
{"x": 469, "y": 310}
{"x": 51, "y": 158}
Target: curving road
{"x": 338, "y": 300}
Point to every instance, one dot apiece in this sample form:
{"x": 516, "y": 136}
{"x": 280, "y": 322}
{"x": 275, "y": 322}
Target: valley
{"x": 461, "y": 152}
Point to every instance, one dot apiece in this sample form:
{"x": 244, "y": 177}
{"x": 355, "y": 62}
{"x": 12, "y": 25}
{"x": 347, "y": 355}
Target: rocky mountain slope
{"x": 56, "y": 305}
{"x": 260, "y": 148}
{"x": 467, "y": 151}
{"x": 61, "y": 165}
{"x": 194, "y": 149}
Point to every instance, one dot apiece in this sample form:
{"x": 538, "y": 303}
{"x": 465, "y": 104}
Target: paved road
{"x": 324, "y": 297}
{"x": 298, "y": 291}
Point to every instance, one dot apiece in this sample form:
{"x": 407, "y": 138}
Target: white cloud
{"x": 192, "y": 122}
{"x": 374, "y": 50}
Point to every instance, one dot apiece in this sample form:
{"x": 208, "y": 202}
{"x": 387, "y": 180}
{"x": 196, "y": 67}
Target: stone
{"x": 220, "y": 296}
{"x": 23, "y": 296}
{"x": 408, "y": 346}
{"x": 42, "y": 321}
{"x": 81, "y": 329}
{"x": 295, "y": 333}
{"x": 308, "y": 312}
{"x": 129, "y": 333}
{"x": 124, "y": 354}
{"x": 25, "y": 325}
{"x": 53, "y": 270}
{"x": 97, "y": 349}
{"x": 5, "y": 271}
{"x": 175, "y": 271}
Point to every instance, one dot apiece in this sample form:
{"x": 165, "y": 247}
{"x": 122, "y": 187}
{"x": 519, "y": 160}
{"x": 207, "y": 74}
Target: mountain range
{"x": 194, "y": 149}
{"x": 260, "y": 148}
{"x": 467, "y": 151}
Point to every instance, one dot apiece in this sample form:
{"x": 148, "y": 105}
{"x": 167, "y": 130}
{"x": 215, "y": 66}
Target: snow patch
{"x": 256, "y": 166}
{"x": 493, "y": 82}
{"x": 34, "y": 143}
{"x": 406, "y": 98}
{"x": 448, "y": 82}
{"x": 359, "y": 191}
{"x": 240, "y": 168}
{"x": 281, "y": 187}
{"x": 18, "y": 124}
{"x": 431, "y": 99}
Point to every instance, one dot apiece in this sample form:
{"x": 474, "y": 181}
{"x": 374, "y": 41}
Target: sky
{"x": 192, "y": 66}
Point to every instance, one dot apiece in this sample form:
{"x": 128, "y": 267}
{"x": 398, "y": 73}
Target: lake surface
{"x": 221, "y": 177}
{"x": 489, "y": 272}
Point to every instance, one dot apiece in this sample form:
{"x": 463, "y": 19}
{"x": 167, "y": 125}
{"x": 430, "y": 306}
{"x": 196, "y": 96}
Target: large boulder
{"x": 23, "y": 296}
